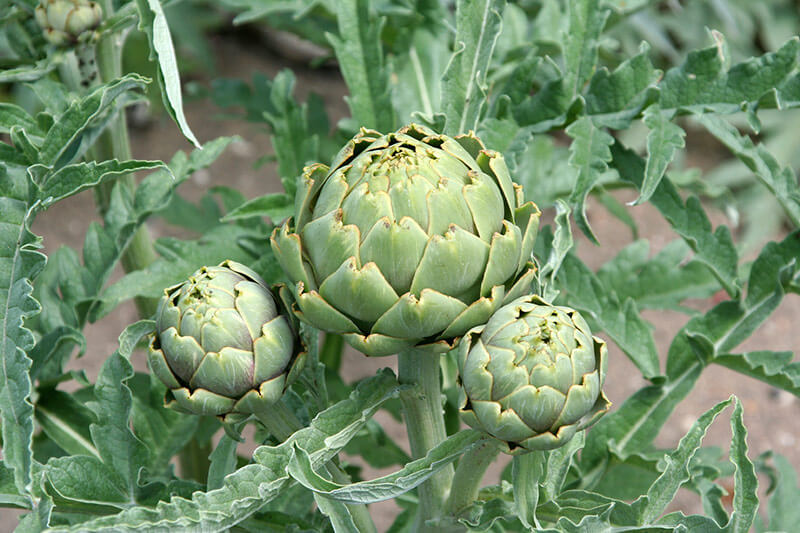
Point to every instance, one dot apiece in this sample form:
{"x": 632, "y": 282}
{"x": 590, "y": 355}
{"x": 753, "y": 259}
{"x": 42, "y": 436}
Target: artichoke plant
{"x": 533, "y": 375}
{"x": 222, "y": 345}
{"x": 66, "y": 21}
{"x": 408, "y": 240}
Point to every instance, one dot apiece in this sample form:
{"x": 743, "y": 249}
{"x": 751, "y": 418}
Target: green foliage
{"x": 598, "y": 108}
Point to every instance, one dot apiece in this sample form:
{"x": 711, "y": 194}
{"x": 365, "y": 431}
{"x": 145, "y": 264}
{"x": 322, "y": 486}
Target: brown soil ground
{"x": 769, "y": 413}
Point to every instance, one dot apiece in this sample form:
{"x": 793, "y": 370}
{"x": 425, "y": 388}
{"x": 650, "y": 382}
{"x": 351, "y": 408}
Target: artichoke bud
{"x": 65, "y": 22}
{"x": 408, "y": 240}
{"x": 224, "y": 345}
{"x": 532, "y": 376}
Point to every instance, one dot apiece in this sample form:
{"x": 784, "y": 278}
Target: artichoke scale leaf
{"x": 475, "y": 378}
{"x": 413, "y": 318}
{"x": 182, "y": 354}
{"x": 228, "y": 372}
{"x": 159, "y": 367}
{"x": 493, "y": 164}
{"x": 527, "y": 218}
{"x": 503, "y": 261}
{"x": 377, "y": 345}
{"x": 260, "y": 400}
{"x": 255, "y": 305}
{"x": 329, "y": 243}
{"x": 485, "y": 204}
{"x": 361, "y": 293}
{"x": 363, "y": 207}
{"x": 447, "y": 208}
{"x": 202, "y": 402}
{"x": 580, "y": 400}
{"x": 522, "y": 286}
{"x": 452, "y": 264}
{"x": 538, "y": 407}
{"x": 222, "y": 328}
{"x": 477, "y": 313}
{"x": 547, "y": 440}
{"x": 272, "y": 351}
{"x": 396, "y": 248}
{"x": 503, "y": 424}
{"x": 310, "y": 184}
{"x": 288, "y": 250}
{"x": 330, "y": 197}
{"x": 314, "y": 310}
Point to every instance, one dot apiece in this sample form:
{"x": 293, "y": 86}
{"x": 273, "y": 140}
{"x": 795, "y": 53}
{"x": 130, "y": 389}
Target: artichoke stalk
{"x": 222, "y": 345}
{"x": 407, "y": 241}
{"x": 532, "y": 377}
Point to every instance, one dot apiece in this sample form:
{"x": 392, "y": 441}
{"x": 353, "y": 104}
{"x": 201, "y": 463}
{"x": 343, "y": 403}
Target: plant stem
{"x": 194, "y": 460}
{"x": 282, "y": 423}
{"x": 424, "y": 417}
{"x": 115, "y": 144}
{"x": 469, "y": 475}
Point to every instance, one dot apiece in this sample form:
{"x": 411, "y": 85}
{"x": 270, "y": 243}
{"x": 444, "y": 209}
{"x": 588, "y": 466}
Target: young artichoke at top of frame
{"x": 409, "y": 239}
{"x": 67, "y": 21}
{"x": 532, "y": 376}
{"x": 222, "y": 345}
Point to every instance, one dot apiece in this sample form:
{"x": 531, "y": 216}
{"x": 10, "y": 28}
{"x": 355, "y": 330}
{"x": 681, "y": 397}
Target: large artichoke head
{"x": 66, "y": 21}
{"x": 408, "y": 239}
{"x": 533, "y": 375}
{"x": 222, "y": 345}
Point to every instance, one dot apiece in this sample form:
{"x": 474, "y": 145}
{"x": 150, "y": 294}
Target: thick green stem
{"x": 194, "y": 460}
{"x": 282, "y": 423}
{"x": 469, "y": 475}
{"x": 115, "y": 144}
{"x": 424, "y": 417}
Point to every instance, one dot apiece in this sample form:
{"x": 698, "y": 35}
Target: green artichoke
{"x": 533, "y": 375}
{"x": 222, "y": 346}
{"x": 408, "y": 239}
{"x": 65, "y": 21}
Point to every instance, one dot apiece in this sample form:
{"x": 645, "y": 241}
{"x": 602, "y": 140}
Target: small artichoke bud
{"x": 223, "y": 345}
{"x": 64, "y": 22}
{"x": 408, "y": 240}
{"x": 532, "y": 376}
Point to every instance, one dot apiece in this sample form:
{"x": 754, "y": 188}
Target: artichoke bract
{"x": 222, "y": 345}
{"x": 407, "y": 240}
{"x": 532, "y": 376}
{"x": 66, "y": 21}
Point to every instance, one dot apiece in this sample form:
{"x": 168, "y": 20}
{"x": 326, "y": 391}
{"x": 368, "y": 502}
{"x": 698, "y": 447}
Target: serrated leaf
{"x": 663, "y": 139}
{"x": 702, "y": 84}
{"x": 77, "y": 177}
{"x": 20, "y": 263}
{"x": 614, "y": 99}
{"x": 276, "y": 206}
{"x": 249, "y": 488}
{"x": 586, "y": 21}
{"x": 178, "y": 260}
{"x": 676, "y": 473}
{"x": 620, "y": 320}
{"x": 745, "y": 491}
{"x": 385, "y": 487}
{"x": 360, "y": 55}
{"x": 464, "y": 86}
{"x": 154, "y": 24}
{"x": 689, "y": 220}
{"x": 561, "y": 245}
{"x": 773, "y": 368}
{"x": 783, "y": 512}
{"x": 66, "y": 421}
{"x": 589, "y": 156}
{"x": 660, "y": 282}
{"x": 781, "y": 182}
{"x": 83, "y": 120}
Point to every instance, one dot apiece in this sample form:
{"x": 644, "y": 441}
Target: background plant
{"x": 578, "y": 106}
